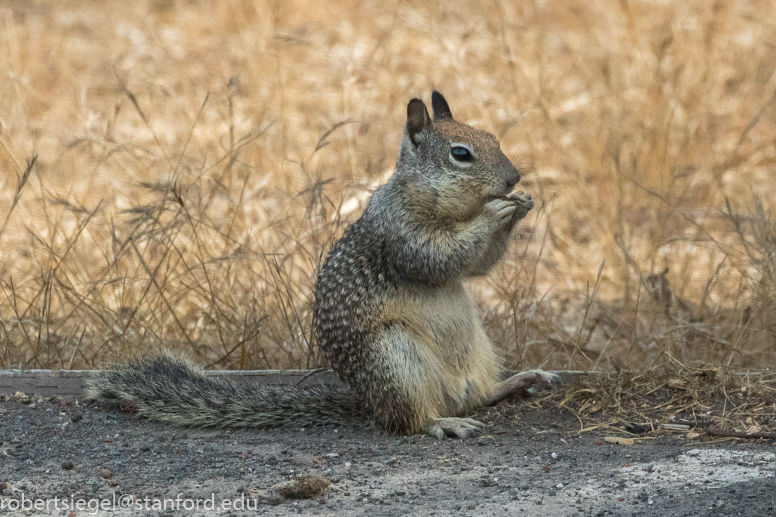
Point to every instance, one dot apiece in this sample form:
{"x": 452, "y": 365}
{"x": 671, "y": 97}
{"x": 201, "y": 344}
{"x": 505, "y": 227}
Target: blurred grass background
{"x": 175, "y": 170}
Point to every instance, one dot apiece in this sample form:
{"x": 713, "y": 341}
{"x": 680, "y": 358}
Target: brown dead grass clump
{"x": 671, "y": 399}
{"x": 304, "y": 487}
{"x": 175, "y": 171}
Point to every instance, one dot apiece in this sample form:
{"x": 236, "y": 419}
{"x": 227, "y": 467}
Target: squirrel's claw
{"x": 441, "y": 428}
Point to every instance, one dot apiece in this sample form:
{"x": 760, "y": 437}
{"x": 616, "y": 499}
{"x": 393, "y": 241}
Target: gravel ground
{"x": 529, "y": 462}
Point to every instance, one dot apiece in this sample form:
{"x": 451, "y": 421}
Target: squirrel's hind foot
{"x": 441, "y": 428}
{"x": 542, "y": 379}
{"x": 520, "y": 383}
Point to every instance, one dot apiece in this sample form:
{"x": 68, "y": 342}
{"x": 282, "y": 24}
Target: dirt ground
{"x": 529, "y": 462}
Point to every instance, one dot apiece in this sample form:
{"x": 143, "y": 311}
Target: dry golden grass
{"x": 175, "y": 171}
{"x": 714, "y": 403}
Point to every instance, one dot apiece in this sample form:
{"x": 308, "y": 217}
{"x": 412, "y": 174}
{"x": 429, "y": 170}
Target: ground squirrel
{"x": 676, "y": 310}
{"x": 391, "y": 313}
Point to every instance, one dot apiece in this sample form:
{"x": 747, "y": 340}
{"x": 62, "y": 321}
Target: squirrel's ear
{"x": 417, "y": 120}
{"x": 440, "y": 106}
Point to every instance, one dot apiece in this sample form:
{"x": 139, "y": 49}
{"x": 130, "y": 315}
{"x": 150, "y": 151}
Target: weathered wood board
{"x": 51, "y": 383}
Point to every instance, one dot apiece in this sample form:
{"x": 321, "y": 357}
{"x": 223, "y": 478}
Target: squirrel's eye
{"x": 461, "y": 153}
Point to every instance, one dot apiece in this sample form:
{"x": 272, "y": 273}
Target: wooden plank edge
{"x": 51, "y": 383}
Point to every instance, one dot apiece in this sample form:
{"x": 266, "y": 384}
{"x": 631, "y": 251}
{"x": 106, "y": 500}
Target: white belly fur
{"x": 447, "y": 332}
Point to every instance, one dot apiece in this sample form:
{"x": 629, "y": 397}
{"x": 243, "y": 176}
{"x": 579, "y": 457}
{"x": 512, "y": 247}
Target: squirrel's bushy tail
{"x": 169, "y": 388}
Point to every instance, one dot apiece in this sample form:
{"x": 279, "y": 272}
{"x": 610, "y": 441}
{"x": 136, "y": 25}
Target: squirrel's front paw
{"x": 510, "y": 209}
{"x": 523, "y": 204}
{"x": 503, "y": 208}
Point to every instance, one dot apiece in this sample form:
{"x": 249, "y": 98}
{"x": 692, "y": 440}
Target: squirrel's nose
{"x": 513, "y": 180}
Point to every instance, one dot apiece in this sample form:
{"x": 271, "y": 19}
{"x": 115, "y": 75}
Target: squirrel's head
{"x": 456, "y": 168}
